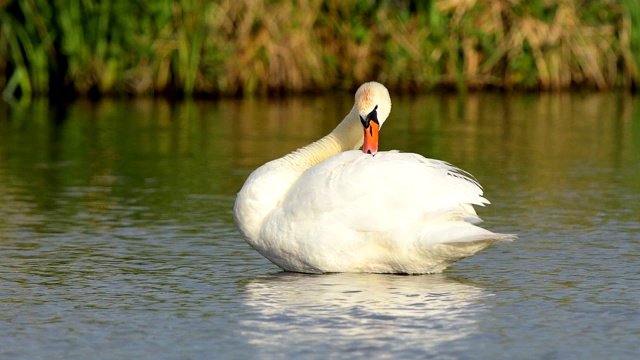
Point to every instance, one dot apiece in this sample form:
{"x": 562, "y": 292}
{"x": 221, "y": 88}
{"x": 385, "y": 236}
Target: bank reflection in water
{"x": 360, "y": 312}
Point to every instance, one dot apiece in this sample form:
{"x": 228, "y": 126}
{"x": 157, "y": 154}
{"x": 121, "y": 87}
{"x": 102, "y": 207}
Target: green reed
{"x": 630, "y": 36}
{"x": 231, "y": 47}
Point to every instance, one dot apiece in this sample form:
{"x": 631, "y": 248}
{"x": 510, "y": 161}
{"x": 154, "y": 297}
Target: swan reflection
{"x": 361, "y": 313}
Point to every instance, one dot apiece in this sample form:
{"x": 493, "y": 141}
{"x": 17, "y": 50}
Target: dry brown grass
{"x": 265, "y": 46}
{"x": 565, "y": 51}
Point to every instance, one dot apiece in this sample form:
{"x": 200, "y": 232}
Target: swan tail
{"x": 445, "y": 243}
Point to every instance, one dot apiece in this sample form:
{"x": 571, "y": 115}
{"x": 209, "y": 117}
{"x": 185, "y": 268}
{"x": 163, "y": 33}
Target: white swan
{"x": 329, "y": 208}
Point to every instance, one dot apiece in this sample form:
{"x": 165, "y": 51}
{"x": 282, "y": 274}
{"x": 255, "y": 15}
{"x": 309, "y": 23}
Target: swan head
{"x": 373, "y": 104}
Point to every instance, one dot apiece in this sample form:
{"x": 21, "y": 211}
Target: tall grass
{"x": 630, "y": 40}
{"x": 186, "y": 47}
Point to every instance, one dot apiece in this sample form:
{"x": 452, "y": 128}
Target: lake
{"x": 117, "y": 238}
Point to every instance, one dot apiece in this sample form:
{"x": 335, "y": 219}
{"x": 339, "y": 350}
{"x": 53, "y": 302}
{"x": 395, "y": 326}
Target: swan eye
{"x": 373, "y": 115}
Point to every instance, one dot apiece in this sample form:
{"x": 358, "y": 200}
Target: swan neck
{"x": 348, "y": 135}
{"x": 268, "y": 185}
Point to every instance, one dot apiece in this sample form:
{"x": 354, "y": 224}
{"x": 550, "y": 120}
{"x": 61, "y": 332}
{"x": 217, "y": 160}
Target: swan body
{"x": 330, "y": 208}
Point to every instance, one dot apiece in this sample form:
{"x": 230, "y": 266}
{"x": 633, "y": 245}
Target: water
{"x": 117, "y": 238}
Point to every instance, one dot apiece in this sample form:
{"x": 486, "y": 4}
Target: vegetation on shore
{"x": 233, "y": 47}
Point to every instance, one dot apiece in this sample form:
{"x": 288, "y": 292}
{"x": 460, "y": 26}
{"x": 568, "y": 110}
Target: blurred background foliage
{"x": 243, "y": 47}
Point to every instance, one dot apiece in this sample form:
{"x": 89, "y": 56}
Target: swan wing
{"x": 384, "y": 192}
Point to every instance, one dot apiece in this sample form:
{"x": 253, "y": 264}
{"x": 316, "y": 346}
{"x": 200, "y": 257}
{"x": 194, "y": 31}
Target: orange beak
{"x": 371, "y": 138}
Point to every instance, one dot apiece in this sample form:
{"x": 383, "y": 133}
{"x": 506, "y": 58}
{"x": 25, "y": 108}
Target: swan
{"x": 328, "y": 207}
